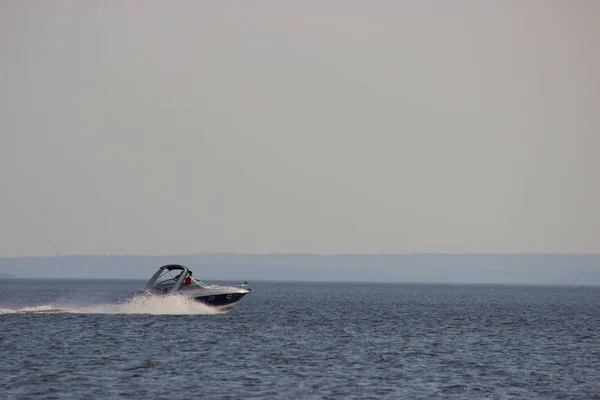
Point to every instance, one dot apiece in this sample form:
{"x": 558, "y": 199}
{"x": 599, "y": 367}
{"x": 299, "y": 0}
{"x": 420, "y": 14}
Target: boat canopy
{"x": 168, "y": 278}
{"x": 173, "y": 267}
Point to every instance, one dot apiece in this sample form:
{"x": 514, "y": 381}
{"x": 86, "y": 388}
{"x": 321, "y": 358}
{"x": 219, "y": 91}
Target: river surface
{"x": 80, "y": 339}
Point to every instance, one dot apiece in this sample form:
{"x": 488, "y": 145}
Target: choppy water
{"x": 76, "y": 339}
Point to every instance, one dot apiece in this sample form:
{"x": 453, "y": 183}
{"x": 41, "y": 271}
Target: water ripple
{"x": 307, "y": 341}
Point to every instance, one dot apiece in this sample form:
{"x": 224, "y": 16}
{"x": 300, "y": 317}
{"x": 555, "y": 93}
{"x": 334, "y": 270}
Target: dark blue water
{"x": 75, "y": 339}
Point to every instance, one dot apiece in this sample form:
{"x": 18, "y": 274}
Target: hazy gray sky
{"x": 156, "y": 127}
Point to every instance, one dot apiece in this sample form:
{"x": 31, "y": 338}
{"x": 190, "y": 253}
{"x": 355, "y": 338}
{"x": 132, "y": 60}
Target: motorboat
{"x": 175, "y": 279}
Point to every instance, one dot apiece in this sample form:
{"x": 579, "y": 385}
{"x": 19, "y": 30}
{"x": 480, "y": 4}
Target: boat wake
{"x": 171, "y": 305}
{"x": 45, "y": 309}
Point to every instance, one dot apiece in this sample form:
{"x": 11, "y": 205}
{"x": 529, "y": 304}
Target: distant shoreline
{"x": 326, "y": 282}
{"x": 426, "y": 268}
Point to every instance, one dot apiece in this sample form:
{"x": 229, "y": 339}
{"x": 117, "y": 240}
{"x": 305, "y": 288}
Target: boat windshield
{"x": 166, "y": 280}
{"x": 196, "y": 284}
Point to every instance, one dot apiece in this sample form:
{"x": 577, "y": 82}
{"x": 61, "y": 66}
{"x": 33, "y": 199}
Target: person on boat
{"x": 188, "y": 279}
